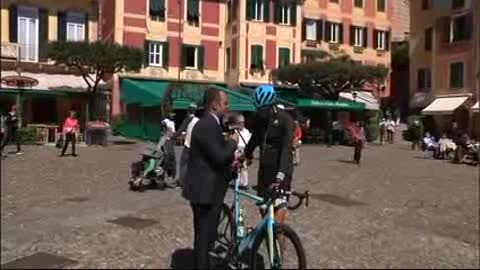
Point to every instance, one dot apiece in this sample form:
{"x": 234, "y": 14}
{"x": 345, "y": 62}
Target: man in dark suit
{"x": 207, "y": 179}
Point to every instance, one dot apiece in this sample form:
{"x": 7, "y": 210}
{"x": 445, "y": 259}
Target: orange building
{"x": 444, "y": 50}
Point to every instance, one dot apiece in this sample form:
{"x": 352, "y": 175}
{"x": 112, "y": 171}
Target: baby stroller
{"x": 156, "y": 169}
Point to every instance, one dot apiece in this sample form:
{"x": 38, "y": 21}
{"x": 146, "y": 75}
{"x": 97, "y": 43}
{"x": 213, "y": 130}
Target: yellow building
{"x": 26, "y": 27}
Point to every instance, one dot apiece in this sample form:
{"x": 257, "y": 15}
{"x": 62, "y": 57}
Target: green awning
{"x": 150, "y": 93}
{"x": 143, "y": 92}
{"x": 330, "y": 104}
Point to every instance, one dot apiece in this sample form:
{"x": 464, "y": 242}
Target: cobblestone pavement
{"x": 396, "y": 210}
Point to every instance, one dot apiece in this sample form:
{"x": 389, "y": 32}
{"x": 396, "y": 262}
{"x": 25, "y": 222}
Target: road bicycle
{"x": 262, "y": 247}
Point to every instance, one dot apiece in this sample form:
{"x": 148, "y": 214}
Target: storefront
{"x": 142, "y": 102}
{"x": 443, "y": 110}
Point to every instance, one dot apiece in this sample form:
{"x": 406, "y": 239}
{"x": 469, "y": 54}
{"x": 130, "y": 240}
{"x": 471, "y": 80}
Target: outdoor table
{"x": 46, "y": 133}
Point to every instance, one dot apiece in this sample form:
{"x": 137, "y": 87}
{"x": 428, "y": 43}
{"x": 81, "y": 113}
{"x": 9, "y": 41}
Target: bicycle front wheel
{"x": 288, "y": 252}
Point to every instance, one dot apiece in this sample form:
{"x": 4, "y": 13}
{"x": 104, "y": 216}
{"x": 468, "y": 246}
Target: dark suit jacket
{"x": 210, "y": 158}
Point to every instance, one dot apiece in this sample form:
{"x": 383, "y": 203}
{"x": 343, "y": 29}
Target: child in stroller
{"x": 157, "y": 167}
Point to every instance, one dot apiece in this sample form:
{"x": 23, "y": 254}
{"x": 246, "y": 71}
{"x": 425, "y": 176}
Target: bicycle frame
{"x": 267, "y": 222}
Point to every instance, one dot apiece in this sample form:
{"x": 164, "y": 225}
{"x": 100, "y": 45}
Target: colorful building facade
{"x": 26, "y": 28}
{"x": 240, "y": 42}
{"x": 444, "y": 50}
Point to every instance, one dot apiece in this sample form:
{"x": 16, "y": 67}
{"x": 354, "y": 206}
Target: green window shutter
{"x": 200, "y": 54}
{"x": 157, "y": 9}
{"x": 62, "y": 26}
{"x": 86, "y": 28}
{"x": 365, "y": 37}
{"x": 146, "y": 52}
{"x": 284, "y": 57}
{"x": 165, "y": 53}
{"x": 43, "y": 34}
{"x": 387, "y": 40}
{"x": 196, "y": 7}
{"x": 266, "y": 9}
{"x": 13, "y": 31}
{"x": 184, "y": 56}
{"x": 276, "y": 12}
{"x": 249, "y": 10}
{"x": 257, "y": 53}
{"x": 340, "y": 33}
{"x": 319, "y": 30}
{"x": 293, "y": 13}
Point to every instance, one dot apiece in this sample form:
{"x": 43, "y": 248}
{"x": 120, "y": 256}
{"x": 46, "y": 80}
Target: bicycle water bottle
{"x": 241, "y": 226}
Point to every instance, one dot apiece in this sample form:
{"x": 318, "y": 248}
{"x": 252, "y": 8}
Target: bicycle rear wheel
{"x": 288, "y": 252}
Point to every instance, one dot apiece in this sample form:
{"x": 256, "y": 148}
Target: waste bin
{"x": 97, "y": 133}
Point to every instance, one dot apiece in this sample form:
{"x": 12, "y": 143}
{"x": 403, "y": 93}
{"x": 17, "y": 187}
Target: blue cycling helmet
{"x": 264, "y": 95}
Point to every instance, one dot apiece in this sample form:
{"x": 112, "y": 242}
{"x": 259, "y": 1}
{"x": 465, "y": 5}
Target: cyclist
{"x": 273, "y": 133}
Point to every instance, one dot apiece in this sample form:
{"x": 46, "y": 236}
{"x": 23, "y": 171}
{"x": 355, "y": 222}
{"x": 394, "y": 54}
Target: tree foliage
{"x": 95, "y": 60}
{"x": 326, "y": 79}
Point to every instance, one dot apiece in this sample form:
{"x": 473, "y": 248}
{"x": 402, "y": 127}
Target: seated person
{"x": 446, "y": 146}
{"x": 429, "y": 143}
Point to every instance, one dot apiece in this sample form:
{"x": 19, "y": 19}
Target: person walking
{"x": 69, "y": 132}
{"x": 358, "y": 135}
{"x": 182, "y": 130}
{"x": 10, "y": 133}
{"x": 390, "y": 130}
{"x": 186, "y": 151}
{"x": 383, "y": 130}
{"x": 208, "y": 172}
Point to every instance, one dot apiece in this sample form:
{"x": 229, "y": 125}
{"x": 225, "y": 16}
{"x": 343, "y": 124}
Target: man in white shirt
{"x": 245, "y": 136}
{"x": 186, "y": 151}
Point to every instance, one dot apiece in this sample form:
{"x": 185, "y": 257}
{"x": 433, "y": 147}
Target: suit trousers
{"x": 184, "y": 165}
{"x": 205, "y": 220}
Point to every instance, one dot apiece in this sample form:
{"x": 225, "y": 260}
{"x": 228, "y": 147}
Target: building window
{"x": 192, "y": 57}
{"x": 381, "y": 40}
{"x": 358, "y": 3}
{"x": 157, "y": 10}
{"x": 193, "y": 12}
{"x": 257, "y": 10}
{"x": 283, "y": 57}
{"x": 381, "y": 5}
{"x": 458, "y": 4}
{"x": 424, "y": 79}
{"x": 155, "y": 53}
{"x": 456, "y": 75}
{"x": 334, "y": 32}
{"x": 284, "y": 11}
{"x": 256, "y": 61}
{"x": 311, "y": 30}
{"x": 459, "y": 28}
{"x": 425, "y": 4}
{"x": 358, "y": 36}
{"x": 428, "y": 39}
{"x": 75, "y": 26}
{"x": 334, "y": 1}
{"x": 28, "y": 33}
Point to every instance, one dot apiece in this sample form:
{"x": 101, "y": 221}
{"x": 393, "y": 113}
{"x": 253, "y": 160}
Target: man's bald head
{"x": 216, "y": 101}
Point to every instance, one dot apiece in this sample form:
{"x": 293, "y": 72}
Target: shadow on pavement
{"x": 336, "y": 200}
{"x": 182, "y": 259}
{"x": 347, "y": 161}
